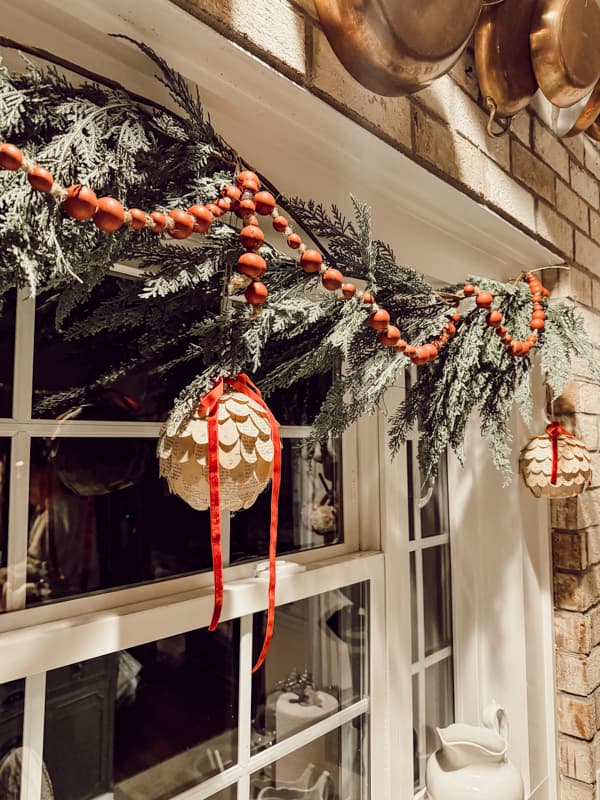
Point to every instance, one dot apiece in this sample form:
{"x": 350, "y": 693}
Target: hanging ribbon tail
{"x": 555, "y": 431}
{"x": 209, "y": 407}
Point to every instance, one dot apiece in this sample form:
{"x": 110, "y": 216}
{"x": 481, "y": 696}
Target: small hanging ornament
{"x": 556, "y": 464}
{"x": 223, "y": 458}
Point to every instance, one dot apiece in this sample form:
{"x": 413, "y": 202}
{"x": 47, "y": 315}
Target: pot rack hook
{"x": 504, "y": 125}
{"x": 492, "y": 2}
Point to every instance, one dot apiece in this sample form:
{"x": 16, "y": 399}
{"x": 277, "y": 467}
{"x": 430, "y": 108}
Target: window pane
{"x": 414, "y": 626}
{"x": 316, "y": 664}
{"x": 101, "y": 518}
{"x": 7, "y": 353}
{"x": 4, "y": 494}
{"x": 12, "y": 702}
{"x": 309, "y": 505}
{"x": 416, "y": 732}
{"x": 439, "y": 701}
{"x": 437, "y": 598}
{"x": 226, "y": 794}
{"x": 411, "y": 491}
{"x": 334, "y": 767}
{"x": 434, "y": 515}
{"x": 146, "y": 723}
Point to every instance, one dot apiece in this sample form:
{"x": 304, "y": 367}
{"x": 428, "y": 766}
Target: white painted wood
{"x": 33, "y": 737}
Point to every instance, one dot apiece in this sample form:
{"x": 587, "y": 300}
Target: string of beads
{"x": 246, "y": 199}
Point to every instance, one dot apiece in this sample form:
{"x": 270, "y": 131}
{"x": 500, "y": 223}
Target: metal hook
{"x": 490, "y": 104}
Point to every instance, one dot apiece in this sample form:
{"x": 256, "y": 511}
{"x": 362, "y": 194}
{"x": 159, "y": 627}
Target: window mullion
{"x": 24, "y": 345}
{"x": 33, "y": 737}
{"x": 245, "y": 694}
{"x": 16, "y": 562}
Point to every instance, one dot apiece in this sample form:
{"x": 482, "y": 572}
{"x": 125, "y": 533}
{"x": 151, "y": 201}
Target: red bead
{"x": 202, "y": 217}
{"x": 421, "y": 354}
{"x": 311, "y": 261}
{"x": 224, "y": 203}
{"x": 184, "y": 224}
{"x": 280, "y": 224}
{"x": 506, "y": 339}
{"x": 537, "y": 324}
{"x": 390, "y": 337}
{"x": 81, "y": 202}
{"x": 332, "y": 279}
{"x": 401, "y": 346}
{"x": 537, "y": 297}
{"x": 451, "y": 329}
{"x": 532, "y": 339}
{"x": 10, "y": 156}
{"x": 246, "y": 207}
{"x": 138, "y": 219}
{"x": 516, "y": 348}
{"x": 368, "y": 298}
{"x": 247, "y": 175}
{"x": 256, "y": 293}
{"x": 484, "y": 299}
{"x": 251, "y": 237}
{"x": 265, "y": 203}
{"x": 160, "y": 221}
{"x": 252, "y": 265}
{"x": 249, "y": 186}
{"x": 545, "y": 292}
{"x": 214, "y": 209}
{"x": 538, "y": 315}
{"x": 348, "y": 290}
{"x": 431, "y": 351}
{"x": 110, "y": 214}
{"x": 494, "y": 318}
{"x": 231, "y": 192}
{"x": 40, "y": 179}
{"x": 456, "y": 317}
{"x": 469, "y": 290}
{"x": 252, "y": 220}
{"x": 410, "y": 350}
{"x": 379, "y": 320}
{"x": 294, "y": 241}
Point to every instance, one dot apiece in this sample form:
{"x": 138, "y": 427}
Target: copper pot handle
{"x": 491, "y": 2}
{"x": 503, "y": 124}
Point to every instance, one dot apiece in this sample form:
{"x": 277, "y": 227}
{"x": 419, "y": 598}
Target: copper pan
{"x": 576, "y": 119}
{"x": 503, "y": 56}
{"x": 594, "y": 131}
{"x": 564, "y": 49}
{"x": 395, "y": 47}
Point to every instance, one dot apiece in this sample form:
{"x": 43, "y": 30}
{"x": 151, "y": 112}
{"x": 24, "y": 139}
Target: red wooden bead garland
{"x": 256, "y": 293}
{"x": 184, "y": 224}
{"x": 265, "y": 203}
{"x": 294, "y": 241}
{"x": 252, "y": 237}
{"x": 202, "y": 217}
{"x": 40, "y": 179}
{"x": 252, "y": 265}
{"x": 81, "y": 202}
{"x": 160, "y": 221}
{"x": 280, "y": 224}
{"x": 379, "y": 320}
{"x": 10, "y": 156}
{"x": 332, "y": 279}
{"x": 311, "y": 261}
{"x": 110, "y": 215}
{"x": 137, "y": 219}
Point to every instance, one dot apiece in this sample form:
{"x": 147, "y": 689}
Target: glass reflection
{"x": 334, "y": 767}
{"x": 316, "y": 665}
{"x": 12, "y": 702}
{"x": 439, "y": 701}
{"x": 434, "y": 514}
{"x": 309, "y": 505}
{"x": 437, "y": 598}
{"x": 7, "y": 353}
{"x": 4, "y": 494}
{"x": 146, "y": 723}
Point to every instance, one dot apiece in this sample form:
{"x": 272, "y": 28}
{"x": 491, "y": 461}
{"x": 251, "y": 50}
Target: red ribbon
{"x": 554, "y": 431}
{"x": 209, "y": 408}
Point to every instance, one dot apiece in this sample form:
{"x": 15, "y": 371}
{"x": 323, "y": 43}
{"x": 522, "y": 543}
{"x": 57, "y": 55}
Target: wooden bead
{"x": 538, "y": 315}
{"x": 184, "y": 224}
{"x": 160, "y": 221}
{"x": 379, "y": 320}
{"x": 40, "y": 179}
{"x": 532, "y": 339}
{"x": 251, "y": 237}
{"x": 202, "y": 217}
{"x": 247, "y": 175}
{"x": 332, "y": 279}
{"x": 390, "y": 337}
{"x": 410, "y": 350}
{"x": 231, "y": 193}
{"x": 537, "y": 297}
{"x": 494, "y": 318}
{"x": 311, "y": 261}
{"x": 246, "y": 208}
{"x": 252, "y": 265}
{"x": 294, "y": 241}
{"x": 280, "y": 224}
{"x": 224, "y": 203}
{"x": 10, "y": 156}
{"x": 249, "y": 186}
{"x": 81, "y": 202}
{"x": 421, "y": 354}
{"x": 265, "y": 203}
{"x": 368, "y": 298}
{"x": 506, "y": 339}
{"x": 256, "y": 293}
{"x": 456, "y": 317}
{"x": 501, "y": 330}
{"x": 110, "y": 214}
{"x": 469, "y": 290}
{"x": 214, "y": 209}
{"x": 537, "y": 324}
{"x": 516, "y": 348}
{"x": 484, "y": 299}
{"x": 252, "y": 220}
{"x": 138, "y": 219}
{"x": 348, "y": 290}
{"x": 451, "y": 329}
{"x": 431, "y": 351}
{"x": 401, "y": 346}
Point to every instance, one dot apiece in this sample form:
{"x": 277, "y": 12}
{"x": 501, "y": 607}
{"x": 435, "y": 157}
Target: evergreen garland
{"x": 177, "y": 318}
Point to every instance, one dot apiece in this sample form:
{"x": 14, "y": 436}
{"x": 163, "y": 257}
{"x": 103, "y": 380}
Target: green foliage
{"x": 176, "y": 322}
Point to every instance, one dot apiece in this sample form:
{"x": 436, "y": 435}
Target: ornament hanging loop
{"x": 503, "y": 124}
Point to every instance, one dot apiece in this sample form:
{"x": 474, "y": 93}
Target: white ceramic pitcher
{"x": 471, "y": 763}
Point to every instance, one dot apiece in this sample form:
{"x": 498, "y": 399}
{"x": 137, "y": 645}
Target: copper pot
{"x": 576, "y": 119}
{"x": 503, "y": 56}
{"x": 395, "y": 47}
{"x": 564, "y": 49}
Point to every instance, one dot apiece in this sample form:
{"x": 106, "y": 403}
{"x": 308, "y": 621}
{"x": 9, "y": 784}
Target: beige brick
{"x": 521, "y": 127}
{"x": 471, "y": 164}
{"x": 573, "y": 283}
{"x": 550, "y": 149}
{"x": 569, "y": 550}
{"x": 577, "y": 513}
{"x": 576, "y": 716}
{"x": 591, "y": 320}
{"x": 579, "y": 759}
{"x": 596, "y": 294}
{"x": 591, "y": 157}
{"x": 501, "y": 191}
{"x": 577, "y": 592}
{"x": 533, "y": 172}
{"x": 571, "y": 206}
{"x": 276, "y": 29}
{"x": 594, "y": 225}
{"x": 587, "y": 253}
{"x": 568, "y": 402}
{"x": 592, "y": 536}
{"x": 589, "y": 398}
{"x": 595, "y": 481}
{"x": 573, "y": 631}
{"x": 575, "y": 145}
{"x": 465, "y": 75}
{"x": 585, "y": 185}
{"x": 576, "y": 790}
{"x": 578, "y": 674}
{"x": 389, "y": 115}
{"x": 555, "y": 229}
{"x": 594, "y": 615}
{"x": 435, "y": 143}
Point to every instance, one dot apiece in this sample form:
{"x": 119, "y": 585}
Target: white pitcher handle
{"x": 494, "y": 717}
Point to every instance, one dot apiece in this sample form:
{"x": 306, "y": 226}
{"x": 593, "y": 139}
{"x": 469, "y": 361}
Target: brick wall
{"x": 547, "y": 187}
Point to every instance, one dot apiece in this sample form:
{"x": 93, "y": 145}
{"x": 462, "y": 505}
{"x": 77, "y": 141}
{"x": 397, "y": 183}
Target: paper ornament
{"x": 223, "y": 458}
{"x": 556, "y": 464}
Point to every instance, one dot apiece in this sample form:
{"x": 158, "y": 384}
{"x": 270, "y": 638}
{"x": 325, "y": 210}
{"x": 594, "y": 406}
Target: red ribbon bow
{"x": 209, "y": 408}
{"x": 554, "y": 431}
